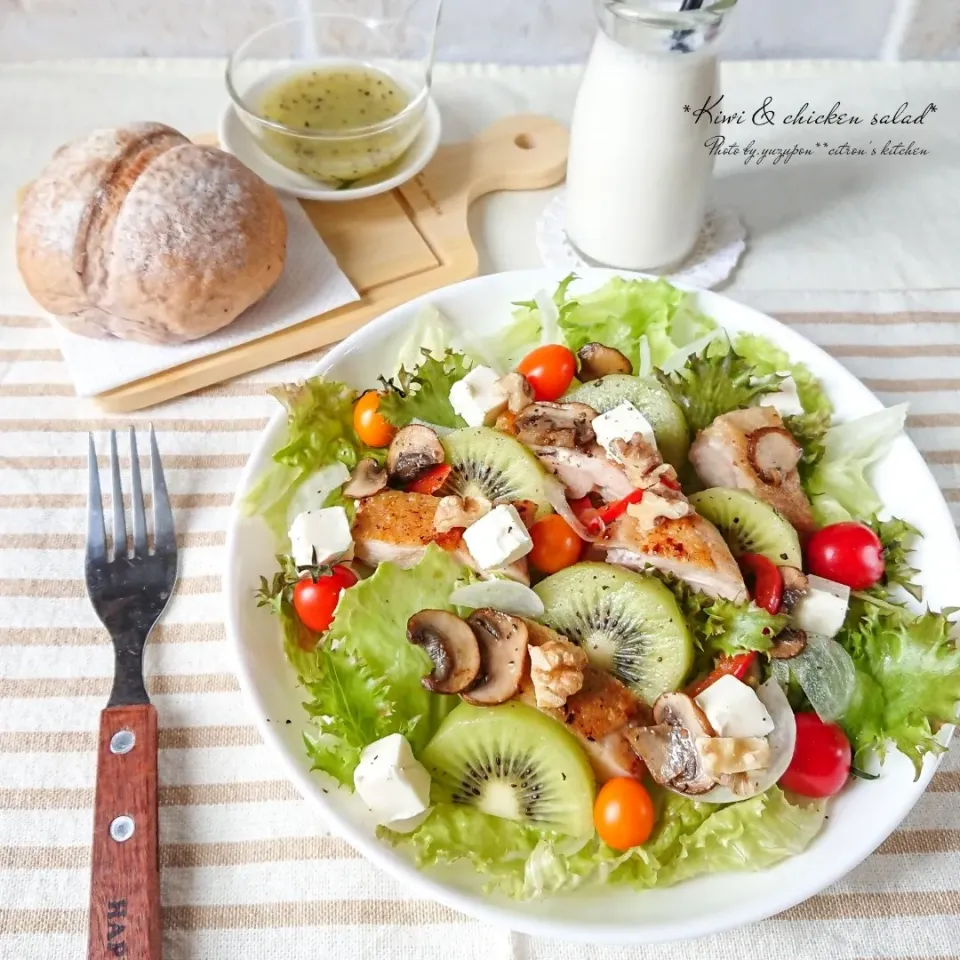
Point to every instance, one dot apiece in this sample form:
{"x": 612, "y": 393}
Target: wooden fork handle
{"x": 125, "y": 881}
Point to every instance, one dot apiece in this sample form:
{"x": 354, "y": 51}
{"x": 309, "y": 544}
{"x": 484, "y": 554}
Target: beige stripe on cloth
{"x": 249, "y": 868}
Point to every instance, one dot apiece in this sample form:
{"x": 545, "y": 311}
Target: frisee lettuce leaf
{"x": 367, "y": 645}
{"x": 362, "y": 677}
{"x": 690, "y": 839}
{"x": 423, "y": 393}
{"x": 319, "y": 431}
{"x": 838, "y": 486}
{"x": 898, "y": 538}
{"x": 721, "y": 627}
{"x": 908, "y": 678}
{"x": 716, "y": 381}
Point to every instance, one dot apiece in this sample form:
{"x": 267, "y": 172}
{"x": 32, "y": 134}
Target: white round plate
{"x": 860, "y": 818}
{"x": 235, "y": 138}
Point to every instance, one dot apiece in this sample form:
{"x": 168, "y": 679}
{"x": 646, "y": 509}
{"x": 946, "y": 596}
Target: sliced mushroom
{"x": 368, "y": 478}
{"x": 556, "y": 424}
{"x": 413, "y": 450}
{"x": 669, "y": 748}
{"x": 502, "y": 640}
{"x": 788, "y": 644}
{"x": 795, "y": 585}
{"x": 518, "y": 390}
{"x": 774, "y": 453}
{"x": 597, "y": 360}
{"x": 450, "y": 644}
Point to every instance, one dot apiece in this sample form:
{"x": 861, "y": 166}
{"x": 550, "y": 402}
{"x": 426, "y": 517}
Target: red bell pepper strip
{"x": 611, "y": 511}
{"x": 737, "y": 666}
{"x": 767, "y": 581}
{"x": 431, "y": 481}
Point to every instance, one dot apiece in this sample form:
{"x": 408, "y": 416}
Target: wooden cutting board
{"x": 393, "y": 247}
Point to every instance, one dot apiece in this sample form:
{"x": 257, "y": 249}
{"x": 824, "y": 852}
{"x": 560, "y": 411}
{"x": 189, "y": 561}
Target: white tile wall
{"x": 518, "y": 31}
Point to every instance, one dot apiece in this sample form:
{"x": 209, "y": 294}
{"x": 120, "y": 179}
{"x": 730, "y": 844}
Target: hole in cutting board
{"x": 524, "y": 141}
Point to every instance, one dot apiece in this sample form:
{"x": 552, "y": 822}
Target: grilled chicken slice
{"x": 585, "y": 471}
{"x": 397, "y": 527}
{"x": 751, "y": 450}
{"x": 690, "y": 548}
{"x": 598, "y": 715}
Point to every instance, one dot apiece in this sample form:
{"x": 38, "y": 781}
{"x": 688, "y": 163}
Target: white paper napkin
{"x": 311, "y": 284}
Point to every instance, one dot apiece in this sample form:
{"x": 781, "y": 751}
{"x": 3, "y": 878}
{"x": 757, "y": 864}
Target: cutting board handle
{"x": 523, "y": 152}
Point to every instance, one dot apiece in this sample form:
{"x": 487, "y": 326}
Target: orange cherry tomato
{"x": 555, "y": 545}
{"x": 371, "y": 426}
{"x": 549, "y": 369}
{"x": 623, "y": 813}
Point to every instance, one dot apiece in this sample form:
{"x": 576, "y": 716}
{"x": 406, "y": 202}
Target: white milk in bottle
{"x": 638, "y": 171}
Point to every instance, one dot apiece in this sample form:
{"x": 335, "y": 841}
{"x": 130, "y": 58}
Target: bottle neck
{"x": 652, "y": 27}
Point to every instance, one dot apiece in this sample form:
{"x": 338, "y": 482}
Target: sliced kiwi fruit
{"x": 491, "y": 464}
{"x": 749, "y": 525}
{"x": 651, "y": 399}
{"x": 513, "y": 762}
{"x": 626, "y": 622}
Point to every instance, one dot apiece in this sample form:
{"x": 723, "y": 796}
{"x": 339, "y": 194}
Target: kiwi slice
{"x": 512, "y": 762}
{"x": 749, "y": 525}
{"x": 627, "y": 623}
{"x": 491, "y": 464}
{"x": 651, "y": 399}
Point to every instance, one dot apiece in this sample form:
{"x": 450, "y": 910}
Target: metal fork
{"x": 129, "y": 587}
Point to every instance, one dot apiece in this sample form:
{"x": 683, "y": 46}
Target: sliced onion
{"x": 508, "y": 596}
{"x": 646, "y": 361}
{"x": 549, "y": 318}
{"x": 783, "y": 739}
{"x": 826, "y": 674}
{"x": 557, "y": 497}
{"x": 313, "y": 492}
{"x": 678, "y": 358}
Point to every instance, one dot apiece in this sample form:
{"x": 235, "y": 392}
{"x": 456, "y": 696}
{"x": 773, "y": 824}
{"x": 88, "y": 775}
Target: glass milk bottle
{"x": 638, "y": 170}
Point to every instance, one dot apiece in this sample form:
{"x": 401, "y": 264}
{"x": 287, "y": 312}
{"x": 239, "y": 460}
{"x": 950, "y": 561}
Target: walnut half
{"x": 556, "y": 671}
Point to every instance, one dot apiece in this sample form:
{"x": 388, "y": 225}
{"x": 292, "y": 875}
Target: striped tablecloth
{"x": 249, "y": 870}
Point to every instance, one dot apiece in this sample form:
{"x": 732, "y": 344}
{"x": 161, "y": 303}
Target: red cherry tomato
{"x": 555, "y": 545}
{"x": 549, "y": 369}
{"x": 767, "y": 581}
{"x": 431, "y": 481}
{"x": 738, "y": 666}
{"x": 821, "y": 760}
{"x": 315, "y": 600}
{"x": 623, "y": 813}
{"x": 848, "y": 553}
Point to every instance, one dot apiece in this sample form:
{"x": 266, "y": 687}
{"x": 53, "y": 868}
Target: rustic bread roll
{"x": 140, "y": 234}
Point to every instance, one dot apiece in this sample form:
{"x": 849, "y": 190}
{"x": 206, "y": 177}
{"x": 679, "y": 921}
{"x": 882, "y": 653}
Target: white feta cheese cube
{"x": 325, "y": 531}
{"x": 478, "y": 397}
{"x": 823, "y": 608}
{"x": 391, "y": 781}
{"x": 622, "y": 422}
{"x": 734, "y": 709}
{"x": 498, "y": 539}
{"x": 786, "y": 401}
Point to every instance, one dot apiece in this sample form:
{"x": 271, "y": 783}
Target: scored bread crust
{"x": 140, "y": 234}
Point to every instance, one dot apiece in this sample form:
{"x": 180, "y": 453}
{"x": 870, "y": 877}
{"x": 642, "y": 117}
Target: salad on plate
{"x": 607, "y": 597}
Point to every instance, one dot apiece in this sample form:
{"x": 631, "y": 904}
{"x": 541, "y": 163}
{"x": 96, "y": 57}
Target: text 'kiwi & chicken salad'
{"x": 604, "y": 598}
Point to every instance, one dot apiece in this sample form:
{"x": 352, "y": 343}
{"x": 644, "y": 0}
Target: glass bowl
{"x": 327, "y": 66}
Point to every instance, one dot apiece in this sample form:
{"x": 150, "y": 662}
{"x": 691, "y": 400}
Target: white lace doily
{"x": 719, "y": 246}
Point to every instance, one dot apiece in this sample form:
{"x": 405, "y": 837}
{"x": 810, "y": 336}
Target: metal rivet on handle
{"x": 122, "y": 828}
{"x": 122, "y": 741}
